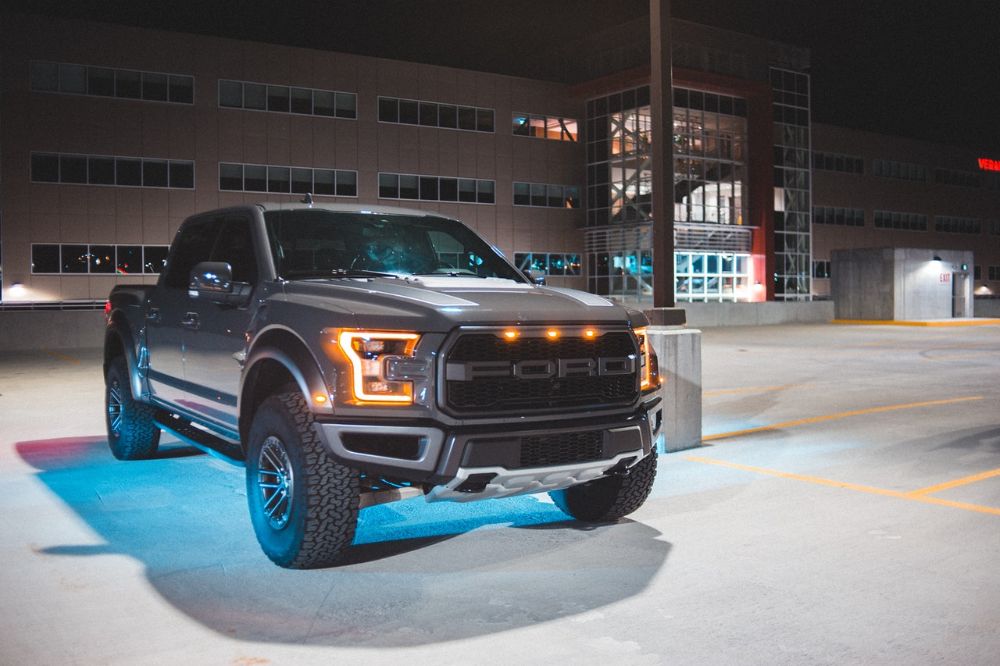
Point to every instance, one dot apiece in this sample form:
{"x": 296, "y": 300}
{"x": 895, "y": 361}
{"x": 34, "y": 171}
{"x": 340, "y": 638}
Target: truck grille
{"x": 497, "y": 394}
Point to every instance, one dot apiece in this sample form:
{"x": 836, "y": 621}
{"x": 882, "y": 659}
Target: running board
{"x": 210, "y": 444}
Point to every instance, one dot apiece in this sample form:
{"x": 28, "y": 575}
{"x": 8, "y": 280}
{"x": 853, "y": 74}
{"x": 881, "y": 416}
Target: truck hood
{"x": 441, "y": 303}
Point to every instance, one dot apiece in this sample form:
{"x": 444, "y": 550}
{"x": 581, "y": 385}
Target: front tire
{"x": 303, "y": 503}
{"x": 132, "y": 430}
{"x": 608, "y": 499}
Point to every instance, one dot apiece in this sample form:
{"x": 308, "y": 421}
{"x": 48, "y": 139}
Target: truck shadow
{"x": 419, "y": 573}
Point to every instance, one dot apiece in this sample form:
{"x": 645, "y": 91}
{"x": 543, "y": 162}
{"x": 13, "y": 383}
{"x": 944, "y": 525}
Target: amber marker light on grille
{"x": 552, "y": 334}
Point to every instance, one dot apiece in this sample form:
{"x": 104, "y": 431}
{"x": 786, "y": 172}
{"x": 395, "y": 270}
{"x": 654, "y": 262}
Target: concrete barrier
{"x": 23, "y": 330}
{"x": 705, "y": 315}
{"x": 986, "y": 307}
{"x": 679, "y": 353}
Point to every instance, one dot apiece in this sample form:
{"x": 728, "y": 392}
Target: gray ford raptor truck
{"x": 354, "y": 355}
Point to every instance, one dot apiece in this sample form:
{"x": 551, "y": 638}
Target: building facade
{"x": 110, "y": 136}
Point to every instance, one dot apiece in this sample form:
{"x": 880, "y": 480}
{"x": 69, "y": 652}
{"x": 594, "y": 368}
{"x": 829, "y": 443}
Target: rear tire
{"x": 608, "y": 499}
{"x": 303, "y": 503}
{"x": 132, "y": 430}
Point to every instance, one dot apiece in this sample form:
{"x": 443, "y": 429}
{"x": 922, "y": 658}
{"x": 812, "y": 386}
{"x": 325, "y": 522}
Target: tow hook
{"x": 623, "y": 468}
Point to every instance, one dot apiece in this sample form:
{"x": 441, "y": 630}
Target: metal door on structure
{"x": 961, "y": 305}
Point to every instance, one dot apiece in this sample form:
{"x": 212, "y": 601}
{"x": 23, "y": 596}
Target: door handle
{"x": 191, "y": 320}
{"x": 153, "y": 315}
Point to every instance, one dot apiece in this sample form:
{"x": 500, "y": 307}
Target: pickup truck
{"x": 353, "y": 355}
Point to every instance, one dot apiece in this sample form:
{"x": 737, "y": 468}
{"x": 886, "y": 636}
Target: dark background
{"x": 917, "y": 68}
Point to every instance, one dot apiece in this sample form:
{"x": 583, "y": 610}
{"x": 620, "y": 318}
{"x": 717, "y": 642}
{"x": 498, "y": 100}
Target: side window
{"x": 193, "y": 244}
{"x": 235, "y": 247}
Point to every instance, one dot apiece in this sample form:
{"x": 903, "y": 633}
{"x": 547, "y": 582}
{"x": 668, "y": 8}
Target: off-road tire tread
{"x": 140, "y": 436}
{"x": 609, "y": 499}
{"x": 332, "y": 493}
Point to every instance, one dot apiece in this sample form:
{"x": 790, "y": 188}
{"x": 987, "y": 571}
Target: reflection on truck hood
{"x": 441, "y": 302}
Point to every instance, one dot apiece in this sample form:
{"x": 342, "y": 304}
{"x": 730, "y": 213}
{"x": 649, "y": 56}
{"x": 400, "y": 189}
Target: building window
{"x": 847, "y": 217}
{"x": 885, "y": 219}
{"x": 549, "y": 263}
{"x": 72, "y": 79}
{"x": 545, "y": 127}
{"x": 435, "y": 188}
{"x": 821, "y": 269}
{"x": 68, "y": 258}
{"x": 709, "y": 276}
{"x": 957, "y": 177}
{"x": 114, "y": 171}
{"x": 546, "y": 196}
{"x": 287, "y": 99}
{"x": 977, "y": 272}
{"x": 901, "y": 170}
{"x": 434, "y": 114}
{"x": 994, "y": 273}
{"x": 792, "y": 191}
{"x": 957, "y": 225}
{"x": 837, "y": 162}
{"x": 287, "y": 180}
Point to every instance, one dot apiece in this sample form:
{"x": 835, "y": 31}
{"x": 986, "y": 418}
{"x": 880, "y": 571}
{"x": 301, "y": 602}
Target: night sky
{"x": 914, "y": 68}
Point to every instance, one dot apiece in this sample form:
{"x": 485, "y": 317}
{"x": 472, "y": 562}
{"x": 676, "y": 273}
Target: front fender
{"x": 118, "y": 335}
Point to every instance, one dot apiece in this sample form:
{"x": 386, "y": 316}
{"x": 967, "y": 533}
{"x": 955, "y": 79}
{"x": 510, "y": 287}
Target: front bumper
{"x": 496, "y": 460}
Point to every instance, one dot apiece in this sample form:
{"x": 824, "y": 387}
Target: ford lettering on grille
{"x": 542, "y": 369}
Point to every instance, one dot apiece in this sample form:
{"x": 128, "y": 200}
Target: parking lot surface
{"x": 844, "y": 509}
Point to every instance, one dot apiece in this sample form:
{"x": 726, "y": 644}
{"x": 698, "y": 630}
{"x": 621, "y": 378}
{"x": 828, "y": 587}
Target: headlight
{"x": 370, "y": 353}
{"x": 649, "y": 364}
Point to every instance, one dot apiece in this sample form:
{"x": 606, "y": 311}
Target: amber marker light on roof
{"x": 589, "y": 333}
{"x": 510, "y": 334}
{"x": 552, "y": 334}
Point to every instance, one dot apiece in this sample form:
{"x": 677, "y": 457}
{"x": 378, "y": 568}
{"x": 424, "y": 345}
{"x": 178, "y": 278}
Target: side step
{"x": 214, "y": 446}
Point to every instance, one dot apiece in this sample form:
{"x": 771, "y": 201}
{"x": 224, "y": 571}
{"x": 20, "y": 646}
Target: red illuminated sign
{"x": 986, "y": 164}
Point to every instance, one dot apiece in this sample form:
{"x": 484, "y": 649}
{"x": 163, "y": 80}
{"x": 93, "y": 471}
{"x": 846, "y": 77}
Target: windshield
{"x": 323, "y": 243}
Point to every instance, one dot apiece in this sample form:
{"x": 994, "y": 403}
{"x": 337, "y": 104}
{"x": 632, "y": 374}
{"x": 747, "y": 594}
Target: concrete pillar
{"x": 679, "y": 353}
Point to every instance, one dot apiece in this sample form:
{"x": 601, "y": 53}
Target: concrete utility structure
{"x": 901, "y": 284}
{"x": 112, "y": 135}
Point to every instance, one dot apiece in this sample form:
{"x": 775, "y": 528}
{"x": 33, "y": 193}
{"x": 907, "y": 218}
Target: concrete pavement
{"x": 845, "y": 510}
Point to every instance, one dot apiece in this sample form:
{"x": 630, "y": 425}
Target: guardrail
{"x": 80, "y": 304}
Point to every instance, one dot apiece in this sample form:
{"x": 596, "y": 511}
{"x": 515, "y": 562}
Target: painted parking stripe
{"x": 63, "y": 357}
{"x": 833, "y": 417}
{"x": 948, "y": 485}
{"x": 925, "y": 499}
{"x": 752, "y": 389}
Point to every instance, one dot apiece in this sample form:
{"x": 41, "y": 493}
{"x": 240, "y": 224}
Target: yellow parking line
{"x": 832, "y": 417}
{"x": 947, "y": 485}
{"x": 938, "y": 323}
{"x": 62, "y": 357}
{"x": 751, "y": 389}
{"x": 978, "y": 508}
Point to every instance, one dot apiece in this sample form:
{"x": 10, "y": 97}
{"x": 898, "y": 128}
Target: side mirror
{"x": 536, "y": 277}
{"x": 214, "y": 280}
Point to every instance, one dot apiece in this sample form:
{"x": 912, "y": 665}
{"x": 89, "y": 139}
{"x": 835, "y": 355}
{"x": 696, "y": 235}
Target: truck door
{"x": 168, "y": 314}
{"x": 211, "y": 362}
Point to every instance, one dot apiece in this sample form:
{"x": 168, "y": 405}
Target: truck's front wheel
{"x": 303, "y": 504}
{"x": 132, "y": 430}
{"x": 608, "y": 499}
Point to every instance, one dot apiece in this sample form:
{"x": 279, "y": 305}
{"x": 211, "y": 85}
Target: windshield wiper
{"x": 338, "y": 273}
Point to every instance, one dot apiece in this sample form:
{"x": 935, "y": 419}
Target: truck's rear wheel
{"x": 303, "y": 503}
{"x": 132, "y": 430}
{"x": 608, "y": 499}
